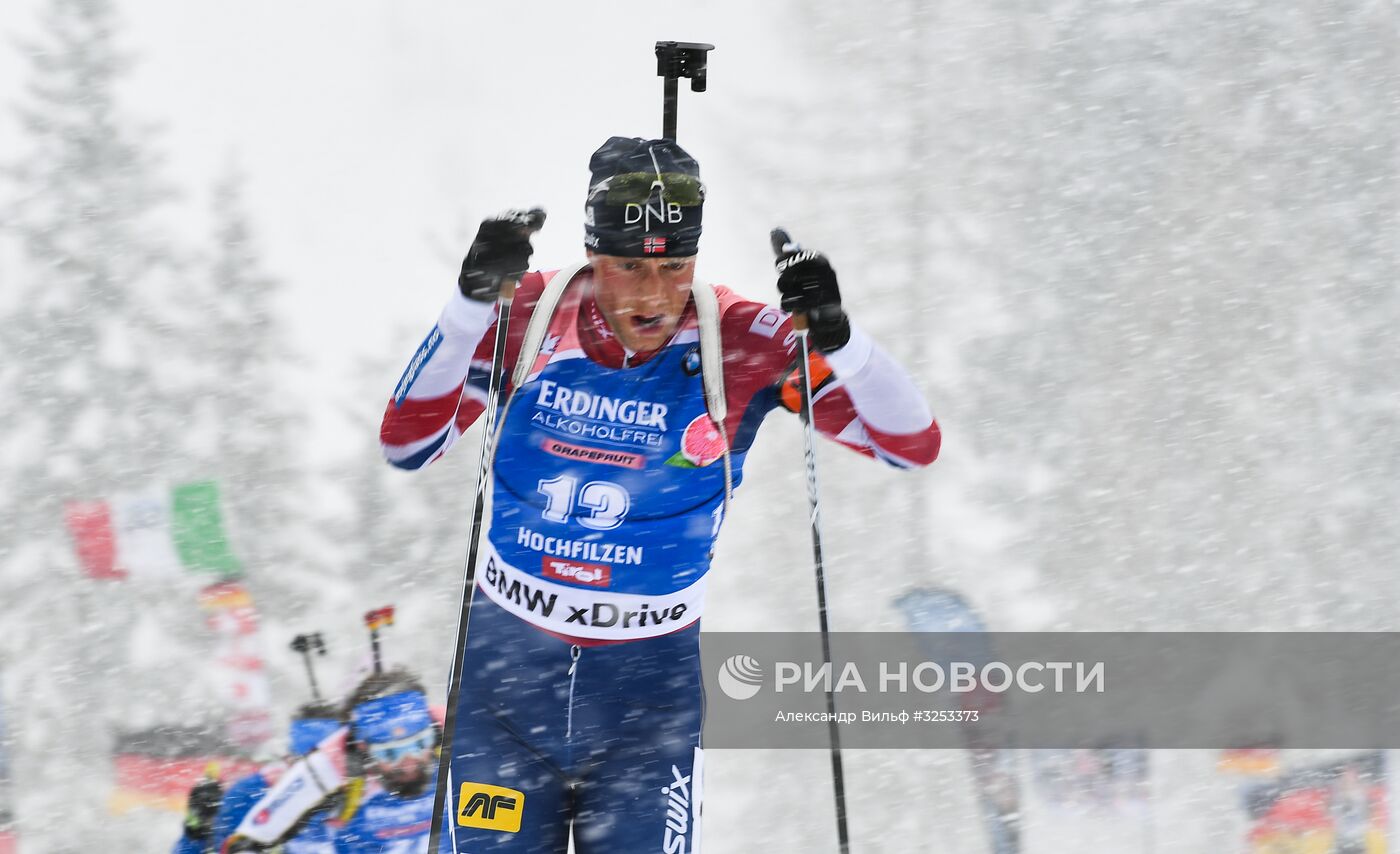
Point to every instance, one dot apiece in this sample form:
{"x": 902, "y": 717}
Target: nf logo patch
{"x": 489, "y": 807}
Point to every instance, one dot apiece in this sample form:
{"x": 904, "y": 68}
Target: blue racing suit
{"x": 386, "y": 823}
{"x": 581, "y": 702}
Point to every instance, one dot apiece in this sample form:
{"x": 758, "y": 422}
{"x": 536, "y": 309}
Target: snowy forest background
{"x": 1140, "y": 257}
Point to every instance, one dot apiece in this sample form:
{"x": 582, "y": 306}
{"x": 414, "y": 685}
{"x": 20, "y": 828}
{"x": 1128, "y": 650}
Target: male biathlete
{"x": 581, "y": 702}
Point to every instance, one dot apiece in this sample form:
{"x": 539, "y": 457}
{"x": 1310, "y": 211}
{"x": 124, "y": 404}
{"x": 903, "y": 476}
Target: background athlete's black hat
{"x": 645, "y": 199}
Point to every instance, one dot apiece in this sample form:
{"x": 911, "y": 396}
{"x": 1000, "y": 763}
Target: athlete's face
{"x": 642, "y": 299}
{"x": 404, "y": 766}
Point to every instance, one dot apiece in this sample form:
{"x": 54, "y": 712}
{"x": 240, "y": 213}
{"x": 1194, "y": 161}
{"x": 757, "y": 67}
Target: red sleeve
{"x": 419, "y": 428}
{"x": 761, "y": 358}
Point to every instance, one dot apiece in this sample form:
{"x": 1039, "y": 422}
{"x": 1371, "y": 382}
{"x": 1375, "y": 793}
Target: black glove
{"x": 808, "y": 286}
{"x": 500, "y": 252}
{"x": 202, "y": 806}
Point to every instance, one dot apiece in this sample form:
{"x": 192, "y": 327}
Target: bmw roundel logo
{"x": 691, "y": 363}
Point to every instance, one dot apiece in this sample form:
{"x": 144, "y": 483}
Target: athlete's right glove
{"x": 808, "y": 287}
{"x": 500, "y": 252}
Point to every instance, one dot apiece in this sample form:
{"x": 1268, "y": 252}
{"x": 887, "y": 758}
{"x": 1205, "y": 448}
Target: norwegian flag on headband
{"x": 653, "y": 245}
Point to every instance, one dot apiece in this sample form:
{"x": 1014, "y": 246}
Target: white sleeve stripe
{"x": 463, "y": 324}
{"x": 882, "y": 392}
{"x": 856, "y": 434}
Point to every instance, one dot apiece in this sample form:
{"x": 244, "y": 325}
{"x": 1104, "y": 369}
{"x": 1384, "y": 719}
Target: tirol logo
{"x": 592, "y": 574}
{"x": 490, "y": 807}
{"x": 701, "y": 444}
{"x": 740, "y": 677}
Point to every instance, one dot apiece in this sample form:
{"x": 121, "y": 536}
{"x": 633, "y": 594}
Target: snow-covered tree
{"x": 88, "y": 412}
{"x": 253, "y": 436}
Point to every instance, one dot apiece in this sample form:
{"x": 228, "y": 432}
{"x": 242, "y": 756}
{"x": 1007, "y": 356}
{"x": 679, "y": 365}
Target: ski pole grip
{"x": 782, "y": 244}
{"x": 530, "y": 221}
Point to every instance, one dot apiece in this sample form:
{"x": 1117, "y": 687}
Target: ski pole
{"x": 494, "y": 394}
{"x": 783, "y": 244}
{"x": 307, "y": 644}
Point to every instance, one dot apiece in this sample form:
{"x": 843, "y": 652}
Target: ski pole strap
{"x": 711, "y": 350}
{"x": 538, "y": 326}
{"x": 712, "y": 371}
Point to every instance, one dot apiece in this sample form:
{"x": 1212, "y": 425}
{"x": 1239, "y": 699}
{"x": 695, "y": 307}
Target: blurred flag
{"x": 238, "y": 672}
{"x": 1248, "y": 761}
{"x": 153, "y": 533}
{"x": 1335, "y": 807}
{"x": 156, "y": 768}
{"x": 380, "y": 617}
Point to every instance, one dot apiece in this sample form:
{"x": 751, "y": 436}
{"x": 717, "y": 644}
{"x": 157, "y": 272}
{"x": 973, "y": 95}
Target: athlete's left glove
{"x": 808, "y": 286}
{"x": 203, "y": 805}
{"x": 500, "y": 252}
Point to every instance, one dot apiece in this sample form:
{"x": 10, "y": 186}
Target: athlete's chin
{"x": 406, "y": 784}
{"x": 643, "y": 337}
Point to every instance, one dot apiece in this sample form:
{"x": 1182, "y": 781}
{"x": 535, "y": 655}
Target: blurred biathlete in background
{"x": 635, "y": 392}
{"x": 371, "y": 781}
{"x": 213, "y": 814}
{"x": 395, "y": 738}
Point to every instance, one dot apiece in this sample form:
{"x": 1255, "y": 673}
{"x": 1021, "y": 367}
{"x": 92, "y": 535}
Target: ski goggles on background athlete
{"x": 638, "y": 188}
{"x": 389, "y": 752}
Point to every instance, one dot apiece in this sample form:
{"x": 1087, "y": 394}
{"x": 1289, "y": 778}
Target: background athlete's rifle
{"x": 306, "y": 645}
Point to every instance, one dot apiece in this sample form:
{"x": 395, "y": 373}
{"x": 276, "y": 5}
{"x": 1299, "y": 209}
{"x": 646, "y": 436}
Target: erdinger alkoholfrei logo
{"x": 740, "y": 677}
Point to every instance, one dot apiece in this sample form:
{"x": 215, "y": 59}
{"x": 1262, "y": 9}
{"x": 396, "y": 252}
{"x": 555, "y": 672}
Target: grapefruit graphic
{"x": 702, "y": 444}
